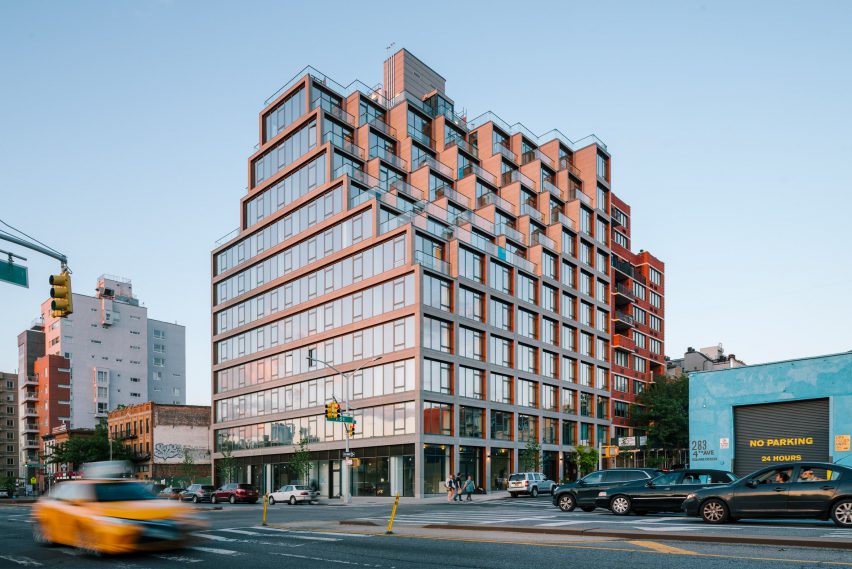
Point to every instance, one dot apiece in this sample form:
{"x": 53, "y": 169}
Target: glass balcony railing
{"x": 548, "y": 186}
{"x": 371, "y": 93}
{"x": 334, "y": 110}
{"x": 516, "y": 176}
{"x": 383, "y": 127}
{"x": 493, "y": 199}
{"x": 389, "y": 157}
{"x": 405, "y": 188}
{"x": 463, "y": 144}
{"x": 422, "y": 138}
{"x": 505, "y": 152}
{"x": 501, "y": 253}
{"x": 539, "y": 238}
{"x": 448, "y": 192}
{"x": 478, "y": 171}
{"x": 434, "y": 164}
{"x": 490, "y": 116}
{"x": 576, "y": 194}
{"x": 536, "y": 154}
{"x": 530, "y": 210}
{"x": 566, "y": 164}
{"x": 432, "y": 262}
{"x": 510, "y": 232}
{"x": 622, "y": 266}
{"x": 557, "y": 216}
{"x": 357, "y": 175}
{"x": 345, "y": 145}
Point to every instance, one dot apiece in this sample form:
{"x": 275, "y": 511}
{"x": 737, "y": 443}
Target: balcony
{"x": 422, "y": 138}
{"x": 389, "y": 157}
{"x": 506, "y": 152}
{"x": 406, "y": 189}
{"x": 556, "y": 216}
{"x": 451, "y": 194}
{"x": 530, "y": 210}
{"x": 434, "y": 164}
{"x": 566, "y": 164}
{"x": 548, "y": 186}
{"x": 492, "y": 198}
{"x": 343, "y": 144}
{"x": 577, "y": 194}
{"x": 622, "y": 321}
{"x": 622, "y": 268}
{"x": 516, "y": 176}
{"x": 536, "y": 154}
{"x": 29, "y": 396}
{"x": 30, "y": 428}
{"x": 431, "y": 262}
{"x": 463, "y": 144}
{"x": 622, "y": 342}
{"x": 539, "y": 238}
{"x": 29, "y": 380}
{"x": 383, "y": 127}
{"x": 334, "y": 110}
{"x": 30, "y": 443}
{"x": 510, "y": 233}
{"x": 623, "y": 294}
{"x": 30, "y": 412}
{"x": 479, "y": 172}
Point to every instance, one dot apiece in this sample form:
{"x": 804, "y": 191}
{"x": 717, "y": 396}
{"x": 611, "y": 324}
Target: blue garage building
{"x": 744, "y": 418}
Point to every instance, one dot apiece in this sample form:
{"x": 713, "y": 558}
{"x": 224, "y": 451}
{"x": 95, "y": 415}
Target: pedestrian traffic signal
{"x": 60, "y": 295}
{"x": 351, "y": 429}
{"x": 610, "y": 451}
{"x": 332, "y": 410}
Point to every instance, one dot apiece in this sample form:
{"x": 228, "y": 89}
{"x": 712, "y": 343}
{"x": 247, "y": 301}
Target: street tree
{"x": 79, "y": 449}
{"x": 530, "y": 457}
{"x": 187, "y": 466}
{"x": 663, "y": 409}
{"x": 300, "y": 464}
{"x": 227, "y": 465}
{"x": 587, "y": 459}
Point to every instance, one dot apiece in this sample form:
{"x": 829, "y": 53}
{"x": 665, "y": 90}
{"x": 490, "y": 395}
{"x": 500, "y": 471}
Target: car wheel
{"x": 271, "y": 501}
{"x": 841, "y": 513}
{"x": 714, "y": 511}
{"x": 292, "y": 500}
{"x": 620, "y": 505}
{"x": 534, "y": 492}
{"x": 39, "y": 535}
{"x": 232, "y": 499}
{"x": 195, "y": 499}
{"x": 213, "y": 500}
{"x": 513, "y": 494}
{"x": 567, "y": 503}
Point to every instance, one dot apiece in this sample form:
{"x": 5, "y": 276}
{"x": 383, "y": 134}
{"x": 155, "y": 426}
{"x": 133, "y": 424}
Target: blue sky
{"x": 125, "y": 129}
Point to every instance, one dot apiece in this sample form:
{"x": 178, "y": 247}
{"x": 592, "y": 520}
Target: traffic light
{"x": 60, "y": 295}
{"x": 332, "y": 410}
{"x": 610, "y": 451}
{"x": 351, "y": 430}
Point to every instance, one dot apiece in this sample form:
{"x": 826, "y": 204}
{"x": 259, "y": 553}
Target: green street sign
{"x": 347, "y": 419}
{"x": 36, "y": 465}
{"x": 15, "y": 274}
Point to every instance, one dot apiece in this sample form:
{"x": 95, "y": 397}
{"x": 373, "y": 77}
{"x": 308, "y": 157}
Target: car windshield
{"x": 301, "y": 487}
{"x": 121, "y": 492}
{"x": 245, "y": 486}
{"x": 517, "y": 477}
{"x": 208, "y": 487}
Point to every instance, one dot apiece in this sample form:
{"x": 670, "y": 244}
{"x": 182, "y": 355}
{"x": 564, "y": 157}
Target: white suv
{"x": 532, "y": 483}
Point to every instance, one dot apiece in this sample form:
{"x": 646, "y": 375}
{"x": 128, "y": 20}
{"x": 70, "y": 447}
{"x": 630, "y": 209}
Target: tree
{"x": 530, "y": 456}
{"x": 80, "y": 449}
{"x": 9, "y": 484}
{"x": 587, "y": 459}
{"x": 227, "y": 465}
{"x": 187, "y": 467}
{"x": 664, "y": 411}
{"x": 300, "y": 464}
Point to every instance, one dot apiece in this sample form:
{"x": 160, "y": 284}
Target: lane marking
{"x": 326, "y": 560}
{"x": 21, "y": 560}
{"x": 661, "y": 547}
{"x": 239, "y": 531}
{"x": 216, "y": 550}
{"x": 180, "y": 558}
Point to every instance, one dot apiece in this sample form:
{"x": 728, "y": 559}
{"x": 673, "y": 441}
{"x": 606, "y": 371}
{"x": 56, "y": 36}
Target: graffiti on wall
{"x": 173, "y": 452}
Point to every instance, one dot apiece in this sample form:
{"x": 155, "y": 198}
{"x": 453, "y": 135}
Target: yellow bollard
{"x": 393, "y": 515}
{"x": 265, "y": 502}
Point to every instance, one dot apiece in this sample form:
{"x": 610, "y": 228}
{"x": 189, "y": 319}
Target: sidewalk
{"x": 376, "y": 500}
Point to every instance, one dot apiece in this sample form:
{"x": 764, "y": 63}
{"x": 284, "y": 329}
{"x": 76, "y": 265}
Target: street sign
{"x": 346, "y": 419}
{"x": 643, "y": 441}
{"x": 15, "y": 274}
{"x": 627, "y": 441}
{"x": 36, "y": 465}
{"x": 348, "y": 454}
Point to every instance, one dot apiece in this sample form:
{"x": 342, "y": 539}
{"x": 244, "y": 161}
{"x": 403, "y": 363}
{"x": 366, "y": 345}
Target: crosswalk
{"x": 483, "y": 514}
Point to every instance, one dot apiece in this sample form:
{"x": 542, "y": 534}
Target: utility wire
{"x": 28, "y": 237}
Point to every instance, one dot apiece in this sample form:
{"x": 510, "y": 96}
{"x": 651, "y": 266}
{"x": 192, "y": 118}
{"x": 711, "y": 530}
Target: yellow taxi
{"x": 112, "y": 516}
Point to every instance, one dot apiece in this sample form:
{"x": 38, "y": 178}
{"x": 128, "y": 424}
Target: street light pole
{"x": 347, "y": 496}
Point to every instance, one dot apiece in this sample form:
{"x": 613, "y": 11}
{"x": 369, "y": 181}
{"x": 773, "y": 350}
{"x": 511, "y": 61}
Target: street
{"x": 313, "y": 536}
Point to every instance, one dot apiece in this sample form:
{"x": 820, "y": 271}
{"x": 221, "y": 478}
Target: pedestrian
{"x": 469, "y": 487}
{"x": 458, "y": 484}
{"x": 451, "y": 487}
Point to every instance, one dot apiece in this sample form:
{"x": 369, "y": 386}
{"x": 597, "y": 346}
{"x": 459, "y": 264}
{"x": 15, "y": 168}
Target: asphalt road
{"x": 234, "y": 538}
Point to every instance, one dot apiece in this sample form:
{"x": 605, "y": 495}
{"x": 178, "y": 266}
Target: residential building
{"x": 30, "y": 348}
{"x": 455, "y": 272}
{"x": 8, "y": 425}
{"x": 164, "y": 438}
{"x": 638, "y": 315}
{"x": 706, "y": 359}
{"x": 106, "y": 354}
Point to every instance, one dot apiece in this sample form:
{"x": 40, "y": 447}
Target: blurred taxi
{"x": 112, "y": 516}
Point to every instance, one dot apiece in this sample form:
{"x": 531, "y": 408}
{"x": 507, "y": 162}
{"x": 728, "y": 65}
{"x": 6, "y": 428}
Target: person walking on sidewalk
{"x": 458, "y": 482}
{"x": 451, "y": 487}
{"x": 469, "y": 487}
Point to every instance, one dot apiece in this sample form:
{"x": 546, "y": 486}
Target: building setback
{"x": 8, "y": 425}
{"x": 107, "y": 353}
{"x": 472, "y": 257}
{"x": 706, "y": 359}
{"x": 163, "y": 437}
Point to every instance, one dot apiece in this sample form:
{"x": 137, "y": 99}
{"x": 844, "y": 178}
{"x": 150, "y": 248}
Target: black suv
{"x": 584, "y": 491}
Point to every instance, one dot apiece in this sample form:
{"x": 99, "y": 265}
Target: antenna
{"x": 388, "y": 48}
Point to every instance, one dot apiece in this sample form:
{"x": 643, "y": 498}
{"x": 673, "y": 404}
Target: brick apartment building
{"x": 162, "y": 436}
{"x": 8, "y": 425}
{"x": 473, "y": 257}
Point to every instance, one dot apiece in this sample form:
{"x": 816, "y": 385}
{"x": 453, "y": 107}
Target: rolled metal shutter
{"x": 792, "y": 419}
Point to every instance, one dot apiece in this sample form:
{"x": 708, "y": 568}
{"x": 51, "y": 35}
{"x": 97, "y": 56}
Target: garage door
{"x": 779, "y": 432}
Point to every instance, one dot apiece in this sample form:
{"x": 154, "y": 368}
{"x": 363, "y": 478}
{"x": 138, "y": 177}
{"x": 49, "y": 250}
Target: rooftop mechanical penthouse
{"x": 472, "y": 257}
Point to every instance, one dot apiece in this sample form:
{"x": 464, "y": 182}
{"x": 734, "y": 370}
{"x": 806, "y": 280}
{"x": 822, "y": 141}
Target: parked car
{"x": 154, "y": 488}
{"x": 584, "y": 491}
{"x": 171, "y": 492}
{"x": 198, "y": 493}
{"x": 111, "y": 516}
{"x": 664, "y": 493}
{"x": 234, "y": 493}
{"x": 293, "y": 494}
{"x": 532, "y": 483}
{"x": 817, "y": 490}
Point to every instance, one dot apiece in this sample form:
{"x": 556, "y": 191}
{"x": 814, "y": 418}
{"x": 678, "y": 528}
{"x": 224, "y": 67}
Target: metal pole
{"x": 43, "y": 250}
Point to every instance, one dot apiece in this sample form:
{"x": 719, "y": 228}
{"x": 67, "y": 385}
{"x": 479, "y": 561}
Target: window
{"x": 620, "y": 239}
{"x": 656, "y": 346}
{"x": 470, "y": 382}
{"x": 585, "y": 221}
{"x": 586, "y": 409}
{"x": 549, "y": 431}
{"x": 586, "y": 344}
{"x": 470, "y": 304}
{"x": 585, "y": 374}
{"x": 602, "y": 199}
{"x": 620, "y": 358}
{"x": 527, "y": 393}
{"x": 602, "y": 167}
{"x": 437, "y": 418}
{"x": 526, "y": 289}
{"x": 620, "y": 383}
{"x": 569, "y": 338}
{"x": 568, "y": 306}
{"x": 568, "y": 276}
{"x": 654, "y": 322}
{"x": 548, "y": 298}
{"x": 436, "y": 293}
{"x": 639, "y": 339}
{"x": 639, "y": 314}
{"x": 471, "y": 420}
{"x": 500, "y": 388}
{"x": 437, "y": 376}
{"x": 638, "y": 386}
{"x": 527, "y": 356}
{"x": 527, "y": 323}
{"x": 602, "y": 349}
{"x": 548, "y": 331}
{"x": 437, "y": 335}
{"x": 639, "y": 290}
{"x": 639, "y": 364}
{"x": 501, "y": 314}
{"x": 620, "y": 409}
{"x": 159, "y": 362}
{"x": 548, "y": 364}
{"x": 470, "y": 265}
{"x": 602, "y": 320}
{"x": 548, "y": 398}
{"x": 470, "y": 343}
{"x": 655, "y": 299}
{"x": 655, "y": 276}
{"x": 569, "y": 369}
{"x": 501, "y": 425}
{"x": 527, "y": 428}
{"x": 500, "y": 351}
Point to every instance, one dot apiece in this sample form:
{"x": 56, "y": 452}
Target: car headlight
{"x": 602, "y": 494}
{"x": 690, "y": 496}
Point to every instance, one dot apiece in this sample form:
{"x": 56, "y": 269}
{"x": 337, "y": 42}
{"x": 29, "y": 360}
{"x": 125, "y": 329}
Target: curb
{"x": 813, "y": 542}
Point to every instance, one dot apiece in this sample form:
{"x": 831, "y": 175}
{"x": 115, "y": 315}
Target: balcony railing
{"x": 30, "y": 412}
{"x": 405, "y": 188}
{"x": 536, "y": 154}
{"x": 463, "y": 144}
{"x": 557, "y": 216}
{"x": 388, "y": 156}
{"x": 548, "y": 186}
{"x": 30, "y": 427}
{"x": 622, "y": 266}
{"x": 510, "y": 232}
{"x": 343, "y": 144}
{"x": 432, "y": 262}
{"x": 334, "y": 110}
{"x": 576, "y": 194}
{"x": 539, "y": 238}
{"x": 484, "y": 245}
{"x": 448, "y": 192}
{"x": 223, "y": 239}
{"x": 489, "y": 116}
{"x": 383, "y": 127}
{"x": 478, "y": 171}
{"x": 422, "y": 138}
{"x": 530, "y": 210}
{"x": 371, "y": 93}
{"x": 566, "y": 164}
{"x": 30, "y": 380}
{"x": 30, "y": 397}
{"x": 516, "y": 176}
{"x": 492, "y": 198}
{"x": 357, "y": 175}
{"x": 623, "y": 317}
{"x": 624, "y": 290}
{"x": 434, "y": 164}
{"x": 506, "y": 152}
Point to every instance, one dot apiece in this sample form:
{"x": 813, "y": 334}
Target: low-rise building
{"x": 706, "y": 359}
{"x": 57, "y": 472}
{"x": 168, "y": 441}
